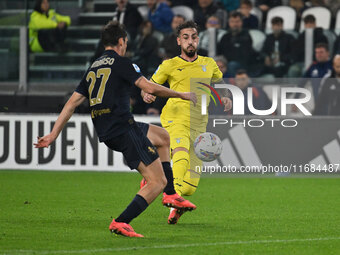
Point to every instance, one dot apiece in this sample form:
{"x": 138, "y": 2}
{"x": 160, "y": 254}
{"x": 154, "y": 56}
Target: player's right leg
{"x": 140, "y": 154}
{"x": 155, "y": 184}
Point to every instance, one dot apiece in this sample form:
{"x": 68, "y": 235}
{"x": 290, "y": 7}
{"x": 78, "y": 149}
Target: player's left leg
{"x": 193, "y": 175}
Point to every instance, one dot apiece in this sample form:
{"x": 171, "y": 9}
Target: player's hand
{"x": 44, "y": 142}
{"x": 189, "y": 96}
{"x": 228, "y": 104}
{"x": 148, "y": 98}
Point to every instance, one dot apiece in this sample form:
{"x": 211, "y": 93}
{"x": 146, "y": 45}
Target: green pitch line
{"x": 69, "y": 213}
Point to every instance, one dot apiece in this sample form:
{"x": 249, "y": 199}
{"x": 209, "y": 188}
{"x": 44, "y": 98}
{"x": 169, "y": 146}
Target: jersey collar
{"x": 187, "y": 60}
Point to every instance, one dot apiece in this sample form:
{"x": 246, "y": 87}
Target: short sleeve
{"x": 217, "y": 74}
{"x": 129, "y": 71}
{"x": 161, "y": 74}
{"x": 83, "y": 88}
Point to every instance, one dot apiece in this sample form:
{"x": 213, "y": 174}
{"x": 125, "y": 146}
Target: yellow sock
{"x": 192, "y": 176}
{"x": 190, "y": 183}
{"x": 179, "y": 168}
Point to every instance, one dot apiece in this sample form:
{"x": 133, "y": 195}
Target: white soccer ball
{"x": 208, "y": 146}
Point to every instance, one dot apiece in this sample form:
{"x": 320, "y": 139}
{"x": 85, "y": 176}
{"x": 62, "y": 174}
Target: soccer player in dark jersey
{"x": 145, "y": 147}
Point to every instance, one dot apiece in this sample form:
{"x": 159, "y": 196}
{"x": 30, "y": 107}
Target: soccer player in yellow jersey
{"x": 182, "y": 120}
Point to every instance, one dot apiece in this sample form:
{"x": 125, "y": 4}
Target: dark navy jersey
{"x": 107, "y": 85}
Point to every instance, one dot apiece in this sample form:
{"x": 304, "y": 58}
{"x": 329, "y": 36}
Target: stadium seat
{"x": 288, "y": 14}
{"x": 185, "y": 11}
{"x": 258, "y": 38}
{"x": 337, "y": 23}
{"x": 144, "y": 11}
{"x": 322, "y": 15}
{"x": 258, "y": 13}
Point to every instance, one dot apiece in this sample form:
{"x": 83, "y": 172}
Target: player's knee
{"x": 165, "y": 138}
{"x": 181, "y": 156}
{"x": 188, "y": 190}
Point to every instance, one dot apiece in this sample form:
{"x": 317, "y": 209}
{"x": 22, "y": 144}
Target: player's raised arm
{"x": 161, "y": 91}
{"x": 75, "y": 100}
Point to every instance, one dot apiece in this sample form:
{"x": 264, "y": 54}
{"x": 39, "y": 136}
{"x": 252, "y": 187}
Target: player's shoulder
{"x": 169, "y": 64}
{"x": 171, "y": 61}
{"x": 207, "y": 60}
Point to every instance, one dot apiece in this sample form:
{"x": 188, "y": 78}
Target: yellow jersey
{"x": 185, "y": 76}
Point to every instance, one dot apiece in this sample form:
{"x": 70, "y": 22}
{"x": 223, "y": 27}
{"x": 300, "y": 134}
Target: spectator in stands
{"x": 145, "y": 49}
{"x": 317, "y": 71}
{"x": 203, "y": 45}
{"x": 128, "y": 15}
{"x": 336, "y": 48}
{"x": 265, "y": 5}
{"x": 299, "y": 45}
{"x": 236, "y": 45}
{"x": 47, "y": 28}
{"x": 328, "y": 101}
{"x": 299, "y": 6}
{"x": 334, "y": 5}
{"x": 277, "y": 49}
{"x": 222, "y": 64}
{"x": 314, "y": 3}
{"x": 160, "y": 15}
{"x": 231, "y": 5}
{"x": 145, "y": 54}
{"x": 188, "y": 3}
{"x": 169, "y": 47}
{"x": 260, "y": 98}
{"x": 250, "y": 21}
{"x": 206, "y": 8}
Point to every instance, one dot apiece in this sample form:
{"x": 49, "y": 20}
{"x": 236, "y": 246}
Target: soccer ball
{"x": 208, "y": 146}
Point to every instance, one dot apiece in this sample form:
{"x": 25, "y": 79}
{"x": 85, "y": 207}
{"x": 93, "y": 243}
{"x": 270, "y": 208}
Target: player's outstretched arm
{"x": 75, "y": 100}
{"x": 161, "y": 91}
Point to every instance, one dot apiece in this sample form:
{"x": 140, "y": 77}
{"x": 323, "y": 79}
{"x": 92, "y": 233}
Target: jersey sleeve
{"x": 129, "y": 71}
{"x": 161, "y": 74}
{"x": 217, "y": 74}
{"x": 83, "y": 88}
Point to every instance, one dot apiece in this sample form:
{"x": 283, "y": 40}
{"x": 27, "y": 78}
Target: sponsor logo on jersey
{"x": 151, "y": 150}
{"x": 204, "y": 68}
{"x": 180, "y": 69}
{"x": 178, "y": 140}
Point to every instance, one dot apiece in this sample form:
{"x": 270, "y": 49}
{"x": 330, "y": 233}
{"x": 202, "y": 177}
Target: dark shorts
{"x": 134, "y": 145}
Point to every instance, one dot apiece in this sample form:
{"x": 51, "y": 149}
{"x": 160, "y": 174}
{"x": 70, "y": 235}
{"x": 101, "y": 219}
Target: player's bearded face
{"x": 190, "y": 51}
{"x": 188, "y": 41}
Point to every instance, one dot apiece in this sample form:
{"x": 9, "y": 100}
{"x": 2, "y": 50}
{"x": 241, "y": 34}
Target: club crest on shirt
{"x": 136, "y": 68}
{"x": 204, "y": 68}
{"x": 178, "y": 140}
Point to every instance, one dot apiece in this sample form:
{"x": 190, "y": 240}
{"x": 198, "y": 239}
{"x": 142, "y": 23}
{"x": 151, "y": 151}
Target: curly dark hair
{"x": 187, "y": 24}
{"x": 112, "y": 32}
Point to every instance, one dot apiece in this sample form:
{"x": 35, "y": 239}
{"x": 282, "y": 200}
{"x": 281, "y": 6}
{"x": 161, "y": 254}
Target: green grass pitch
{"x": 69, "y": 213}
